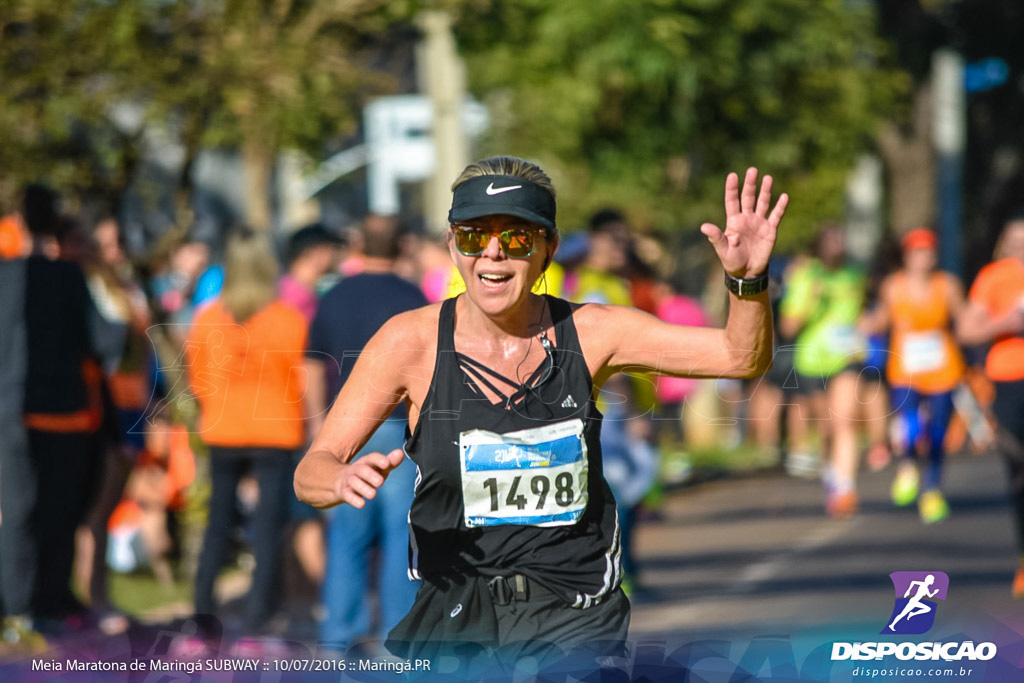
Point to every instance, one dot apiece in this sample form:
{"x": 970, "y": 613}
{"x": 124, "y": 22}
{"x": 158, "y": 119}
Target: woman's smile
{"x": 495, "y": 279}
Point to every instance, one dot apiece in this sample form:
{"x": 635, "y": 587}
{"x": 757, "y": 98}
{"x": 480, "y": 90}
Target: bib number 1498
{"x": 540, "y": 487}
{"x": 531, "y": 477}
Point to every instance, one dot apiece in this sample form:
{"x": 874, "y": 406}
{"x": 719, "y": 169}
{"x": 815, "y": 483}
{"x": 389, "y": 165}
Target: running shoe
{"x": 933, "y": 507}
{"x": 190, "y": 648}
{"x": 842, "y": 505}
{"x": 878, "y": 457}
{"x": 19, "y": 632}
{"x": 1018, "y": 582}
{"x": 905, "y": 486}
{"x": 110, "y": 622}
{"x": 801, "y": 464}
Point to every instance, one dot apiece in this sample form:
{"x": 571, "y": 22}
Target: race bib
{"x": 532, "y": 477}
{"x": 923, "y": 352}
{"x": 845, "y": 340}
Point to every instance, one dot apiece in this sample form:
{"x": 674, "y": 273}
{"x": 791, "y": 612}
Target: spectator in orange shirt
{"x": 14, "y": 240}
{"x": 995, "y": 313}
{"x": 245, "y": 368}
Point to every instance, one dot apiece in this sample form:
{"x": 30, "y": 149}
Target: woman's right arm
{"x": 381, "y": 378}
{"x": 975, "y": 324}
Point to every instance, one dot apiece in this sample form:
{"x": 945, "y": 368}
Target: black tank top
{"x": 515, "y": 487}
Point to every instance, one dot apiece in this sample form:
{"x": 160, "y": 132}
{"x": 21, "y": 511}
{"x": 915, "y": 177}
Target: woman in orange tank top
{"x": 919, "y": 306}
{"x": 995, "y": 315}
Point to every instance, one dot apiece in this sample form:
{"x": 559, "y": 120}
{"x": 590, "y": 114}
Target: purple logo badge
{"x": 916, "y": 592}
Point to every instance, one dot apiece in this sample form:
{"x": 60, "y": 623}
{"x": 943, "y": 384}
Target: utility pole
{"x": 864, "y": 191}
{"x": 443, "y": 79}
{"x": 949, "y": 131}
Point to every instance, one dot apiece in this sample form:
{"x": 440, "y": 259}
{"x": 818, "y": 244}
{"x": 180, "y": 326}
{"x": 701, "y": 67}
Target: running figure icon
{"x": 917, "y": 594}
{"x": 915, "y": 606}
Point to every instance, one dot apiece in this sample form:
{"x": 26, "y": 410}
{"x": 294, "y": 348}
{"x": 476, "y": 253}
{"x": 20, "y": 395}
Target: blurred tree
{"x": 259, "y": 75}
{"x": 267, "y": 75}
{"x": 59, "y": 80}
{"x": 994, "y": 165}
{"x": 905, "y": 140}
{"x": 649, "y": 103}
{"x": 88, "y": 85}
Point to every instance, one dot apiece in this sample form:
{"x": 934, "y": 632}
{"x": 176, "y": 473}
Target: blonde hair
{"x": 250, "y": 274}
{"x": 506, "y": 165}
{"x": 1000, "y": 251}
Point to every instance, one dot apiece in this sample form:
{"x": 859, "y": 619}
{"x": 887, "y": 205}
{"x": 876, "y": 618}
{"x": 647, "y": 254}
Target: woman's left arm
{"x": 628, "y": 339}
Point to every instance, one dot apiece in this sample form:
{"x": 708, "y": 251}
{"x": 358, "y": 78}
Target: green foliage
{"x": 59, "y": 78}
{"x": 287, "y": 74}
{"x": 649, "y": 103}
{"x": 271, "y": 74}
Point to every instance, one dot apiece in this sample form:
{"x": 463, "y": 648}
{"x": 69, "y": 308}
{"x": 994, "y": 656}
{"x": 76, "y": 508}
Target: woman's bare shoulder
{"x": 602, "y": 329}
{"x": 410, "y": 331}
{"x": 600, "y": 319}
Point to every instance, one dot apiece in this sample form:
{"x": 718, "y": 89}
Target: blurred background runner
{"x": 995, "y": 314}
{"x": 823, "y": 301}
{"x": 920, "y": 304}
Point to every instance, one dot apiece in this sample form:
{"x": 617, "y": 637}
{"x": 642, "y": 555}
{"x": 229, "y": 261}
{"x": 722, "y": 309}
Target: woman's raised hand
{"x": 750, "y": 230}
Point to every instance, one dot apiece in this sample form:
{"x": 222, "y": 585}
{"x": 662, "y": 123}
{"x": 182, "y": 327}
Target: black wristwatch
{"x": 747, "y": 286}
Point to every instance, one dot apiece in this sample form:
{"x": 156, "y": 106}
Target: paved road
{"x": 758, "y": 556}
{"x": 748, "y": 576}
{"x": 741, "y": 558}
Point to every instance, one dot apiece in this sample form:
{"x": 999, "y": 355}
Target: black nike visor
{"x": 493, "y": 195}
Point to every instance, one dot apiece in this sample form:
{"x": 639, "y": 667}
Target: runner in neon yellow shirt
{"x": 829, "y": 302}
{"x": 823, "y": 302}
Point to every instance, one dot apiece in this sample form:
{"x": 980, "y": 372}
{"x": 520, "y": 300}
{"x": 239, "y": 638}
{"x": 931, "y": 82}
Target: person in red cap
{"x": 919, "y": 305}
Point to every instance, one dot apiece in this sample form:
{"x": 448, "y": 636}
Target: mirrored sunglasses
{"x": 517, "y": 241}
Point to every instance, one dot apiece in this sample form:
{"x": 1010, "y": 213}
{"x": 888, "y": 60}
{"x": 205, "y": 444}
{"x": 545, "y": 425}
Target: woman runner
{"x": 995, "y": 314}
{"x": 920, "y": 305}
{"x": 513, "y": 528}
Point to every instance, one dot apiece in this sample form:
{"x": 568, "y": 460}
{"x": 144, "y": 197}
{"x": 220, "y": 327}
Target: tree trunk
{"x": 191, "y": 139}
{"x": 911, "y": 163}
{"x": 259, "y": 166}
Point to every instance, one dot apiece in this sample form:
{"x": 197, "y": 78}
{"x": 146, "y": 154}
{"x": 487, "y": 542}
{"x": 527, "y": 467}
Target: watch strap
{"x": 747, "y": 286}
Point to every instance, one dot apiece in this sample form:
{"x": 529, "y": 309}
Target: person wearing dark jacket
{"x": 46, "y": 487}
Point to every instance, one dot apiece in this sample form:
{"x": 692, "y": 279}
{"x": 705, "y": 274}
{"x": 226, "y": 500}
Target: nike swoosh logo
{"x": 492, "y": 190}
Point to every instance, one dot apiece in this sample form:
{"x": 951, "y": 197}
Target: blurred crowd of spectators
{"x": 130, "y": 393}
